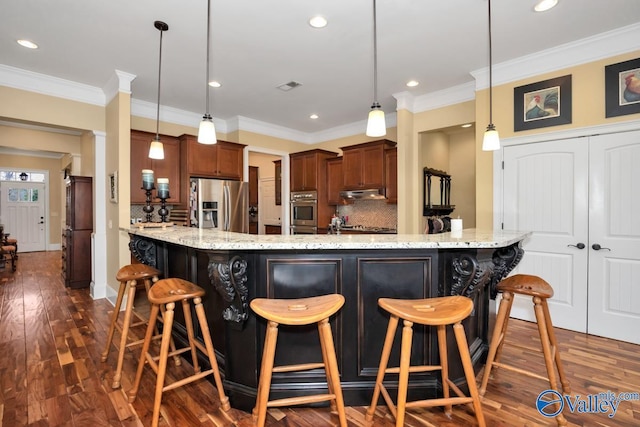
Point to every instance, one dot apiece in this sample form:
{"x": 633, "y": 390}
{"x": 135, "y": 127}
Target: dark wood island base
{"x": 233, "y": 269}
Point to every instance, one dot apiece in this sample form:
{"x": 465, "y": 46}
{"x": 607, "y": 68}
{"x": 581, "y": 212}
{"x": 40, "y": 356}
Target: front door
{"x": 546, "y": 191}
{"x": 22, "y": 211}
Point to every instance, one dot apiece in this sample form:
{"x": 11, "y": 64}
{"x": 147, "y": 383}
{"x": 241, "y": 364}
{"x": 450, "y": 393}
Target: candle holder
{"x": 148, "y": 209}
{"x": 163, "y": 211}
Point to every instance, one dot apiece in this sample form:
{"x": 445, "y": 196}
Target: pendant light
{"x": 491, "y": 140}
{"x": 207, "y": 130}
{"x": 156, "y": 150}
{"x": 376, "y": 125}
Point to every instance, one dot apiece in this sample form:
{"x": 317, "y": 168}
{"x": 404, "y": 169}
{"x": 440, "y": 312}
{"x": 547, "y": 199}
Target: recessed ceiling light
{"x": 214, "y": 83}
{"x": 413, "y": 83}
{"x": 466, "y": 125}
{"x": 545, "y": 5}
{"x": 27, "y": 43}
{"x": 313, "y": 116}
{"x": 318, "y": 21}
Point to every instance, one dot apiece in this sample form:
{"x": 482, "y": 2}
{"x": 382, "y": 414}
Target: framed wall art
{"x": 113, "y": 187}
{"x": 622, "y": 88}
{"x": 542, "y": 104}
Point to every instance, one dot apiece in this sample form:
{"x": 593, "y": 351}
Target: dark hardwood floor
{"x": 51, "y": 375}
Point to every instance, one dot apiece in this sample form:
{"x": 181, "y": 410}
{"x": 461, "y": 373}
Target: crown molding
{"x": 51, "y": 86}
{"x": 432, "y": 100}
{"x": 120, "y": 82}
{"x": 148, "y": 110}
{"x": 589, "y": 49}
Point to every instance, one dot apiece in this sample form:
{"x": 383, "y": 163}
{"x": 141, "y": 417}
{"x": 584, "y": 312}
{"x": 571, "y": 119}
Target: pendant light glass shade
{"x": 491, "y": 140}
{"x": 207, "y": 130}
{"x": 156, "y": 149}
{"x": 376, "y": 124}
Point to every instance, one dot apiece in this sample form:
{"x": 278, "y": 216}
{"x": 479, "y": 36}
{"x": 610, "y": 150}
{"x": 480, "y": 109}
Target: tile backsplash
{"x": 370, "y": 213}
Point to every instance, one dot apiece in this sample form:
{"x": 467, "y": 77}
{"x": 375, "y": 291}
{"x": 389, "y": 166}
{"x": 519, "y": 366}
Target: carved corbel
{"x": 229, "y": 278}
{"x": 470, "y": 275}
{"x": 504, "y": 260}
{"x": 143, "y": 250}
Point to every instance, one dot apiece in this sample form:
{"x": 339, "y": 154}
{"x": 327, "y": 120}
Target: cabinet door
{"x": 139, "y": 160}
{"x": 169, "y": 167}
{"x": 334, "y": 181}
{"x": 351, "y": 167}
{"x": 297, "y": 173}
{"x": 201, "y": 159}
{"x": 228, "y": 161}
{"x": 372, "y": 167}
{"x": 310, "y": 172}
{"x": 391, "y": 175}
{"x": 278, "y": 175}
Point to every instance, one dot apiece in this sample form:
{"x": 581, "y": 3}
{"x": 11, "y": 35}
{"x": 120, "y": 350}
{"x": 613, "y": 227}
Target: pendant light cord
{"x": 159, "y": 76}
{"x": 207, "y": 115}
{"x": 490, "y": 71}
{"x": 375, "y": 57}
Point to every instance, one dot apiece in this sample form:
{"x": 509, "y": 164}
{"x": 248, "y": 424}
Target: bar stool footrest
{"x": 300, "y": 400}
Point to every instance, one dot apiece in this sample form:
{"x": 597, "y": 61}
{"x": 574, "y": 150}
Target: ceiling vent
{"x": 288, "y": 86}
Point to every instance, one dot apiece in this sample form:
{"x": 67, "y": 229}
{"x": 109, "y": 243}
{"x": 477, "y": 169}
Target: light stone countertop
{"x": 221, "y": 240}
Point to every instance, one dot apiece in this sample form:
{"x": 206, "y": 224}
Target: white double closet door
{"x": 581, "y": 199}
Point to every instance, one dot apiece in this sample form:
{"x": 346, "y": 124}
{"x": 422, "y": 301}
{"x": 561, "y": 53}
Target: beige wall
{"x": 265, "y": 164}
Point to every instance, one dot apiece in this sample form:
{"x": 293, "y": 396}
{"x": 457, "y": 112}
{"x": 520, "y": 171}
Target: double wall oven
{"x": 304, "y": 212}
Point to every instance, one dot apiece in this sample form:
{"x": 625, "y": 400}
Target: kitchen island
{"x": 234, "y": 268}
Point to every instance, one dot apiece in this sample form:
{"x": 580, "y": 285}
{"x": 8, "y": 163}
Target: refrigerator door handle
{"x": 227, "y": 207}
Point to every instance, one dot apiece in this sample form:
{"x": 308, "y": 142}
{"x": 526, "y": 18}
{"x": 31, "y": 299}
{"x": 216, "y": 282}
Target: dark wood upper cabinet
{"x": 169, "y": 167}
{"x": 253, "y": 185}
{"x": 222, "y": 160}
{"x": 391, "y": 174}
{"x": 364, "y": 165}
{"x": 334, "y": 181}
{"x": 307, "y": 169}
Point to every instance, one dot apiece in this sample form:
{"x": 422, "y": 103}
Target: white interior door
{"x": 22, "y": 210}
{"x": 546, "y": 192}
{"x": 614, "y": 270}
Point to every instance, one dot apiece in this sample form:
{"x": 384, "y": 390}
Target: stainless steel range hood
{"x": 369, "y": 194}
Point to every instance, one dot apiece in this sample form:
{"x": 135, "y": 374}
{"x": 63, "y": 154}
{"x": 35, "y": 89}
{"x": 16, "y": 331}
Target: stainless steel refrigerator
{"x": 219, "y": 204}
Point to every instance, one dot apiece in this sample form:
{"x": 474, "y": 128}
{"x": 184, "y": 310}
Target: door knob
{"x": 597, "y": 247}
{"x": 579, "y": 246}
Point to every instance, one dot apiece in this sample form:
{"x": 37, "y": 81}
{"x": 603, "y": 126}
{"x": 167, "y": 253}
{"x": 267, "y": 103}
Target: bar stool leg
{"x": 331, "y": 368}
{"x": 497, "y": 339}
{"x": 444, "y": 366}
{"x": 384, "y": 361}
{"x": 403, "y": 382}
{"x": 546, "y": 349}
{"x": 162, "y": 366}
{"x": 264, "y": 383}
{"x": 328, "y": 373}
{"x": 131, "y": 294}
{"x": 145, "y": 349}
{"x": 114, "y": 319}
{"x": 463, "y": 348}
{"x": 189, "y": 323}
{"x": 147, "y": 284}
{"x": 566, "y": 385}
{"x": 509, "y": 299}
{"x": 204, "y": 326}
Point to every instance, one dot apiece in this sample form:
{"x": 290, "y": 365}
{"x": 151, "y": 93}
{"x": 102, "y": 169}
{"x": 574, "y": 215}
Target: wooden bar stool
{"x": 298, "y": 312}
{"x": 540, "y": 291}
{"x": 438, "y": 312}
{"x": 165, "y": 293}
{"x": 129, "y": 276}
